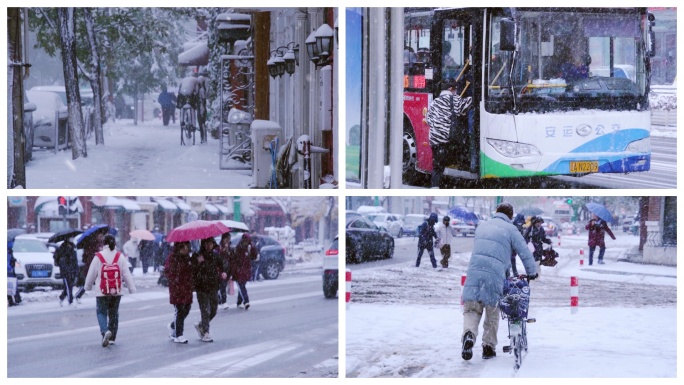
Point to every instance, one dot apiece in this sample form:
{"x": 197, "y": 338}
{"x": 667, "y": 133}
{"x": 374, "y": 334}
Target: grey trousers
{"x": 472, "y": 314}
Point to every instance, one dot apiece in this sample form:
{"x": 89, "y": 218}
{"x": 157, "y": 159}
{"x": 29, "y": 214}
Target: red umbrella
{"x": 142, "y": 234}
{"x": 198, "y": 229}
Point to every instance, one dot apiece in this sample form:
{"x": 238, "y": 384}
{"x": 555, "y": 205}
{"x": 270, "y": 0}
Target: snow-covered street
{"x": 146, "y": 156}
{"x": 406, "y": 321}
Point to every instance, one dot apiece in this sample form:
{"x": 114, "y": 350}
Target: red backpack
{"x": 110, "y": 276}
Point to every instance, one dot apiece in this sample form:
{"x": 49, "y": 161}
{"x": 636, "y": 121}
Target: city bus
{"x": 530, "y": 117}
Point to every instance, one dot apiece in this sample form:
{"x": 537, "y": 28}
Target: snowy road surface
{"x": 406, "y": 321}
{"x": 146, "y": 156}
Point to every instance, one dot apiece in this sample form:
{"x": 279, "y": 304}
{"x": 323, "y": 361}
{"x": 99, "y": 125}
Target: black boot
{"x": 468, "y": 342}
{"x": 488, "y": 352}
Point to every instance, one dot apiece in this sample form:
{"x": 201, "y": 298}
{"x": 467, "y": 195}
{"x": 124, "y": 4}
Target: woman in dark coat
{"x": 597, "y": 233}
{"x": 65, "y": 258}
{"x": 207, "y": 275}
{"x": 178, "y": 270}
{"x": 92, "y": 245}
{"x": 241, "y": 267}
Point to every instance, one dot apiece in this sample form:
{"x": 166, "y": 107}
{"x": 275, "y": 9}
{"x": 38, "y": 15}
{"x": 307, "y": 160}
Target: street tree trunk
{"x": 65, "y": 17}
{"x": 95, "y": 73}
{"x": 16, "y": 171}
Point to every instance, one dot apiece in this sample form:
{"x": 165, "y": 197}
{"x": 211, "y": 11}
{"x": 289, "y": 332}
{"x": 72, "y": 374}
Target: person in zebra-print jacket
{"x": 439, "y": 118}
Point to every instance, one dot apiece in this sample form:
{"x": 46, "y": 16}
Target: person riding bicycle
{"x": 495, "y": 241}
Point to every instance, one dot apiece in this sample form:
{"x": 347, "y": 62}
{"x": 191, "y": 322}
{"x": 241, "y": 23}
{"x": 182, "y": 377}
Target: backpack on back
{"x": 110, "y": 275}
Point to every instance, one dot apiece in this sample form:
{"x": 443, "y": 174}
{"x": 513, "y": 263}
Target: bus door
{"x": 457, "y": 45}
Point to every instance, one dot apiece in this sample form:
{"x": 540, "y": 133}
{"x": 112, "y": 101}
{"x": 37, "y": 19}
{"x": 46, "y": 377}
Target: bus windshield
{"x": 568, "y": 60}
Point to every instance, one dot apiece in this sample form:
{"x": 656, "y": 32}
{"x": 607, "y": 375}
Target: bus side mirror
{"x": 507, "y": 35}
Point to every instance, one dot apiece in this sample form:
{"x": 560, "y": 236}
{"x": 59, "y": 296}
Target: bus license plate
{"x": 39, "y": 274}
{"x": 582, "y": 167}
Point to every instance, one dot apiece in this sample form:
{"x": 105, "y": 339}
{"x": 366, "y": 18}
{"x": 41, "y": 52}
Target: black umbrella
{"x": 12, "y": 233}
{"x": 63, "y": 235}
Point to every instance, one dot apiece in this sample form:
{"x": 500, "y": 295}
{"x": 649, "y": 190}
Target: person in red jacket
{"x": 178, "y": 270}
{"x": 241, "y": 267}
{"x": 597, "y": 232}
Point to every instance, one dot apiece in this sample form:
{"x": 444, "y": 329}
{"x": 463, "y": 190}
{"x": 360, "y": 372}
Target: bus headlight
{"x": 513, "y": 149}
{"x": 641, "y": 145}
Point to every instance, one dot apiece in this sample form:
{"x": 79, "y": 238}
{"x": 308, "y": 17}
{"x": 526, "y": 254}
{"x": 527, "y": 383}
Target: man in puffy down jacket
{"x": 495, "y": 241}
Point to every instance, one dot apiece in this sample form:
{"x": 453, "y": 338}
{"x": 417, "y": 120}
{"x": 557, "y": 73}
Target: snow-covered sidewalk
{"x": 146, "y": 156}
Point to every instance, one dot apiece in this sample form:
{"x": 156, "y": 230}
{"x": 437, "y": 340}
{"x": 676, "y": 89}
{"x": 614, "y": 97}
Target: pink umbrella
{"x": 198, "y": 229}
{"x": 142, "y": 234}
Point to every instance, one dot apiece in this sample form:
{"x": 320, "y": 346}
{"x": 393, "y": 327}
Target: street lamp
{"x": 283, "y": 62}
{"x": 319, "y": 45}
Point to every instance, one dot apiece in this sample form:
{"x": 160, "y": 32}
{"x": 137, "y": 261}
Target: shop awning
{"x": 122, "y": 204}
{"x": 213, "y": 210}
{"x": 197, "y": 55}
{"x": 223, "y": 209}
{"x": 166, "y": 205}
{"x": 182, "y": 205}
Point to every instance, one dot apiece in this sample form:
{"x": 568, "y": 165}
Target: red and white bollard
{"x": 581, "y": 259}
{"x": 347, "y": 292}
{"x": 463, "y": 279}
{"x": 574, "y": 295}
{"x": 558, "y": 239}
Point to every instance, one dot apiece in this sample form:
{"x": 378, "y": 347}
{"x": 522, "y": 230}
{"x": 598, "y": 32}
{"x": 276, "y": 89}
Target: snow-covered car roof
{"x": 46, "y": 105}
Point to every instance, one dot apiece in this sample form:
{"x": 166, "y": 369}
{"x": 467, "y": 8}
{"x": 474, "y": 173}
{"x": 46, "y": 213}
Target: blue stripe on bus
{"x": 612, "y": 142}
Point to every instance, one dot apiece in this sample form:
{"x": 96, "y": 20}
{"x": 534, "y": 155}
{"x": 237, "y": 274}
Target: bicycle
{"x": 187, "y": 124}
{"x": 513, "y": 306}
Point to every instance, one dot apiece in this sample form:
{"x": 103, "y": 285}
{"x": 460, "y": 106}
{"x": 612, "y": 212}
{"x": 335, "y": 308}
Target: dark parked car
{"x": 330, "y": 270}
{"x": 365, "y": 240}
{"x": 271, "y": 254}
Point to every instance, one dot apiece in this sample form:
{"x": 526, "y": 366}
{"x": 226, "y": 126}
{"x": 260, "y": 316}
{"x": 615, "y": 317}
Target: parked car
{"x": 390, "y": 222}
{"x": 352, "y": 214}
{"x": 365, "y": 240}
{"x": 271, "y": 254}
{"x": 330, "y": 270}
{"x": 627, "y": 223}
{"x": 550, "y": 227}
{"x": 35, "y": 264}
{"x": 50, "y": 120}
{"x": 464, "y": 228}
{"x": 29, "y": 108}
{"x": 410, "y": 224}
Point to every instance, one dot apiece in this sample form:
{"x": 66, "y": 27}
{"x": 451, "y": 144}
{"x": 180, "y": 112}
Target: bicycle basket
{"x": 516, "y": 299}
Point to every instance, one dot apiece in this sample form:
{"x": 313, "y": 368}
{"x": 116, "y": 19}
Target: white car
{"x": 390, "y": 222}
{"x": 35, "y": 264}
{"x": 50, "y": 120}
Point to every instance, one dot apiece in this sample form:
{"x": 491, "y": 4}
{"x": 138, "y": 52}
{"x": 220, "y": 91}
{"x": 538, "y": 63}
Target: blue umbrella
{"x": 92, "y": 230}
{"x": 463, "y": 214}
{"x": 600, "y": 211}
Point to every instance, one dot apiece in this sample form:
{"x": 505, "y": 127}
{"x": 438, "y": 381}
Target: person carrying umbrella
{"x": 178, "y": 270}
{"x": 597, "y": 231}
{"x": 92, "y": 243}
{"x": 241, "y": 267}
{"x": 65, "y": 257}
{"x": 226, "y": 254}
{"x": 207, "y": 269}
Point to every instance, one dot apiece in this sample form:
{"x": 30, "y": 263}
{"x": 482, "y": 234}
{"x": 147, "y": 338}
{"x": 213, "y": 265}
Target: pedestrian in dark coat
{"x": 207, "y": 271}
{"x": 241, "y": 267}
{"x": 426, "y": 236}
{"x": 518, "y": 222}
{"x": 167, "y": 100}
{"x": 148, "y": 251}
{"x": 537, "y": 235}
{"x": 92, "y": 245}
{"x": 225, "y": 254}
{"x": 178, "y": 270}
{"x": 597, "y": 233}
{"x": 11, "y": 262}
{"x": 65, "y": 257}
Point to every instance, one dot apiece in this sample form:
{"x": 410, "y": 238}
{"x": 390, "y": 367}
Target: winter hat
{"x": 446, "y": 218}
{"x": 505, "y": 208}
{"x": 433, "y": 218}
